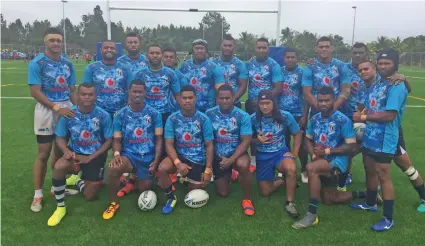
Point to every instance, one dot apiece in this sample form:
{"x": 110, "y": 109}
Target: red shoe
{"x": 235, "y": 175}
{"x": 123, "y": 180}
{"x": 252, "y": 168}
{"x": 126, "y": 190}
{"x": 248, "y": 208}
{"x": 173, "y": 177}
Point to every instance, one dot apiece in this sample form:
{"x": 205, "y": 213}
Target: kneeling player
{"x": 326, "y": 134}
{"x": 90, "y": 137}
{"x": 232, "y": 137}
{"x": 270, "y": 126}
{"x": 189, "y": 146}
{"x": 137, "y": 144}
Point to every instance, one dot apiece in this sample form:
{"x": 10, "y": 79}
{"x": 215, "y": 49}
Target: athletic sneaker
{"x": 235, "y": 175}
{"x": 304, "y": 177}
{"x": 57, "y": 216}
{"x": 421, "y": 208}
{"x": 129, "y": 187}
{"x": 364, "y": 206}
{"x": 169, "y": 206}
{"x": 37, "y": 204}
{"x": 349, "y": 179}
{"x": 248, "y": 208}
{"x": 292, "y": 211}
{"x": 72, "y": 180}
{"x": 252, "y": 168}
{"x": 383, "y": 225}
{"x": 110, "y": 211}
{"x": 68, "y": 192}
{"x": 308, "y": 221}
{"x": 341, "y": 188}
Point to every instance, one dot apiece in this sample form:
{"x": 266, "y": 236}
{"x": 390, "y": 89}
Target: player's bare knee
{"x": 223, "y": 192}
{"x": 115, "y": 171}
{"x": 242, "y": 166}
{"x": 291, "y": 169}
{"x": 310, "y": 168}
{"x": 383, "y": 172}
{"x": 43, "y": 157}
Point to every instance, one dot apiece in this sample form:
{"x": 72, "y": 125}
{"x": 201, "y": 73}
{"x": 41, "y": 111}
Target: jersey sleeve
{"x": 309, "y": 132}
{"x": 246, "y": 125}
{"x": 276, "y": 74}
{"x": 218, "y": 73}
{"x": 243, "y": 71}
{"x": 344, "y": 74}
{"x": 293, "y": 126}
{"x": 61, "y": 129}
{"x": 158, "y": 121}
{"x": 72, "y": 78}
{"x": 396, "y": 97}
{"x": 34, "y": 74}
{"x": 348, "y": 132}
{"x": 117, "y": 124}
{"x": 207, "y": 130}
{"x": 253, "y": 125}
{"x": 129, "y": 77}
{"x": 307, "y": 79}
{"x": 107, "y": 127}
{"x": 88, "y": 76}
{"x": 169, "y": 129}
{"x": 175, "y": 83}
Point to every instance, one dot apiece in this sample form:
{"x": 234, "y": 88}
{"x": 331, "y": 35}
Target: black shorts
{"x": 94, "y": 170}
{"x": 331, "y": 181}
{"x": 43, "y": 139}
{"x": 220, "y": 173}
{"x": 401, "y": 145}
{"x": 195, "y": 174}
{"x": 377, "y": 156}
{"x": 250, "y": 108}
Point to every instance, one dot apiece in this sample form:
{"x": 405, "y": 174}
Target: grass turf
{"x": 220, "y": 222}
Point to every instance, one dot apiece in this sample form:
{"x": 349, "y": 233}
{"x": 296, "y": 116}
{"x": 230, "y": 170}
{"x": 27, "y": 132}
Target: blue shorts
{"x": 267, "y": 163}
{"x": 140, "y": 166}
{"x": 340, "y": 162}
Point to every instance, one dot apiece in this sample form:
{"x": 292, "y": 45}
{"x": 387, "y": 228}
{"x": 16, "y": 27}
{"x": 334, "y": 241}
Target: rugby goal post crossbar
{"x": 277, "y": 12}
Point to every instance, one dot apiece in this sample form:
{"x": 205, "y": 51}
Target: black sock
{"x": 132, "y": 180}
{"x": 59, "y": 190}
{"x": 342, "y": 178}
{"x": 169, "y": 192}
{"x": 371, "y": 197}
{"x": 287, "y": 203}
{"x": 313, "y": 205}
{"x": 421, "y": 191}
{"x": 80, "y": 184}
{"x": 388, "y": 209}
{"x": 359, "y": 194}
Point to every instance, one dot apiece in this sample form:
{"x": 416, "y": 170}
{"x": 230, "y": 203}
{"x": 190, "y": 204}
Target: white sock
{"x": 38, "y": 193}
{"x": 253, "y": 162}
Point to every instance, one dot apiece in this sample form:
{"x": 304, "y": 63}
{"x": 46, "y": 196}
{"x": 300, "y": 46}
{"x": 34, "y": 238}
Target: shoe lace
{"x": 111, "y": 208}
{"x": 36, "y": 200}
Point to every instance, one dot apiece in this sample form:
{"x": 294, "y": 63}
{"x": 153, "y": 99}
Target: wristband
{"x": 116, "y": 153}
{"x": 177, "y": 161}
{"x": 327, "y": 151}
{"x": 313, "y": 156}
{"x": 56, "y": 108}
{"x": 207, "y": 170}
{"x": 363, "y": 117}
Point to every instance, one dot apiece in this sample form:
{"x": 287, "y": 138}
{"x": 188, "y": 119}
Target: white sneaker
{"x": 304, "y": 178}
{"x": 68, "y": 192}
{"x": 36, "y": 204}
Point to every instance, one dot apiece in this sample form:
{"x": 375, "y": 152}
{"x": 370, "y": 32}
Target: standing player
{"x": 232, "y": 135}
{"x": 110, "y": 78}
{"x": 326, "y": 71}
{"x": 51, "y": 78}
{"x": 134, "y": 60}
{"x": 137, "y": 144}
{"x": 203, "y": 74}
{"x": 330, "y": 141}
{"x": 235, "y": 72}
{"x": 189, "y": 146}
{"x": 264, "y": 74}
{"x": 90, "y": 137}
{"x": 270, "y": 125}
{"x": 385, "y": 104}
{"x": 291, "y": 100}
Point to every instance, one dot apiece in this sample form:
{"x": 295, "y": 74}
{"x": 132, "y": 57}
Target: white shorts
{"x": 45, "y": 119}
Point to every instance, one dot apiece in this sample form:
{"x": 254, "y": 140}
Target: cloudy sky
{"x": 374, "y": 18}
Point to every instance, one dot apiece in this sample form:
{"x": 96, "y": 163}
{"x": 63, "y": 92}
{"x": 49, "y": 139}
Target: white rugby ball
{"x": 196, "y": 198}
{"x": 359, "y": 130}
{"x": 147, "y": 200}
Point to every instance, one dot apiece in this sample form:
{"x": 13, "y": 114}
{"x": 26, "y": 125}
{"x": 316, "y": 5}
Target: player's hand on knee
{"x": 289, "y": 154}
{"x": 225, "y": 162}
{"x": 206, "y": 177}
{"x": 183, "y": 168}
{"x": 116, "y": 162}
{"x": 319, "y": 150}
{"x": 69, "y": 155}
{"x": 66, "y": 112}
{"x": 153, "y": 167}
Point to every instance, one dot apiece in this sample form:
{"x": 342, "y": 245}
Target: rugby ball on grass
{"x": 147, "y": 200}
{"x": 196, "y": 198}
{"x": 359, "y": 130}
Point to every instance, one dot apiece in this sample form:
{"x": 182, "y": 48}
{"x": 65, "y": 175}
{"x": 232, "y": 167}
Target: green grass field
{"x": 221, "y": 222}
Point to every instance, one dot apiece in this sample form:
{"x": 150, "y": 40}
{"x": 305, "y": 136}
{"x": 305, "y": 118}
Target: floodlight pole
{"x": 108, "y": 19}
{"x": 64, "y": 25}
{"x": 354, "y": 25}
{"x": 279, "y": 9}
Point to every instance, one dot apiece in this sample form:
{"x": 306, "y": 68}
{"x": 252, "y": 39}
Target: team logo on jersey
{"x": 67, "y": 70}
{"x": 148, "y": 120}
{"x": 85, "y": 134}
{"x": 222, "y": 132}
{"x": 143, "y": 64}
{"x": 355, "y": 84}
{"x": 60, "y": 80}
{"x": 119, "y": 72}
{"x": 266, "y": 69}
{"x": 155, "y": 89}
{"x": 294, "y": 78}
{"x": 204, "y": 71}
{"x": 323, "y": 138}
{"x": 285, "y": 85}
{"x": 96, "y": 123}
{"x": 187, "y": 136}
{"x": 372, "y": 103}
{"x": 269, "y": 135}
{"x": 197, "y": 125}
{"x": 233, "y": 120}
{"x": 331, "y": 127}
{"x": 110, "y": 82}
{"x": 326, "y": 80}
{"x": 193, "y": 81}
{"x": 334, "y": 70}
{"x": 225, "y": 76}
{"x": 257, "y": 77}
{"x": 138, "y": 132}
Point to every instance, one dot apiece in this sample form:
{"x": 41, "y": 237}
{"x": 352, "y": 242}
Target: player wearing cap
{"x": 203, "y": 75}
{"x": 51, "y": 78}
{"x": 134, "y": 60}
{"x": 270, "y": 125}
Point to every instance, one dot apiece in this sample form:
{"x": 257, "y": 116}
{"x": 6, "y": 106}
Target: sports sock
{"x": 59, "y": 190}
{"x": 132, "y": 180}
{"x": 421, "y": 191}
{"x": 313, "y": 205}
{"x": 80, "y": 184}
{"x": 342, "y": 179}
{"x": 253, "y": 161}
{"x": 371, "y": 197}
{"x": 38, "y": 193}
{"x": 388, "y": 209}
{"x": 359, "y": 194}
{"x": 169, "y": 192}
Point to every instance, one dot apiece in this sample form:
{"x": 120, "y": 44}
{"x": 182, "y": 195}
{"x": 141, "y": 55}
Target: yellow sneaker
{"x": 110, "y": 211}
{"x": 57, "y": 216}
{"x": 72, "y": 180}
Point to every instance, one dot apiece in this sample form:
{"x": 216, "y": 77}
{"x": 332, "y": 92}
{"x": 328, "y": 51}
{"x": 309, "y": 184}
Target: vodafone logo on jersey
{"x": 355, "y": 84}
{"x": 326, "y": 80}
{"x": 222, "y": 132}
{"x": 60, "y": 80}
{"x": 85, "y": 134}
{"x": 187, "y": 136}
{"x": 155, "y": 89}
{"x": 285, "y": 86}
{"x": 257, "y": 77}
{"x": 138, "y": 132}
{"x": 269, "y": 135}
{"x": 323, "y": 138}
{"x": 372, "y": 103}
{"x": 110, "y": 82}
{"x": 193, "y": 81}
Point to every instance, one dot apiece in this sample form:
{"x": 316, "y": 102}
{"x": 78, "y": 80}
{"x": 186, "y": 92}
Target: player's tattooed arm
{"x": 308, "y": 95}
{"x": 304, "y": 119}
{"x": 345, "y": 149}
{"x": 297, "y": 144}
{"x": 74, "y": 94}
{"x": 277, "y": 89}
{"x": 343, "y": 96}
{"x": 103, "y": 148}
{"x": 380, "y": 117}
{"x": 243, "y": 85}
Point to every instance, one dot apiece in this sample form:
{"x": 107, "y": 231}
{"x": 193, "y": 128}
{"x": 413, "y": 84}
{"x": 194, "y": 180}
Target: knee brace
{"x": 412, "y": 173}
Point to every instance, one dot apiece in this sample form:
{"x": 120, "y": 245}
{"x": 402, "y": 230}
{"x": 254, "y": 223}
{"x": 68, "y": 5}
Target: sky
{"x": 373, "y": 18}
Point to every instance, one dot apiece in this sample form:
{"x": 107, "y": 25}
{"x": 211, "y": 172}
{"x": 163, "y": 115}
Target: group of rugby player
{"x": 161, "y": 119}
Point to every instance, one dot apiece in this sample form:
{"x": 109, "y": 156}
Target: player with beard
{"x": 134, "y": 60}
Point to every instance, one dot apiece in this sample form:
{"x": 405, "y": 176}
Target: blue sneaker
{"x": 383, "y": 225}
{"x": 169, "y": 206}
{"x": 349, "y": 179}
{"x": 421, "y": 208}
{"x": 363, "y": 206}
